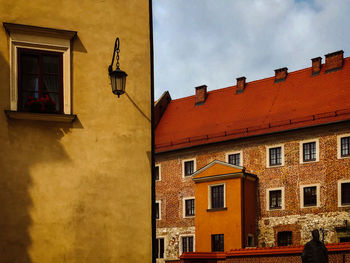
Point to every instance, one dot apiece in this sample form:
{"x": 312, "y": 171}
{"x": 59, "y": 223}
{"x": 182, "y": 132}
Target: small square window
{"x": 217, "y": 196}
{"x": 275, "y": 156}
{"x": 157, "y": 172}
{"x": 160, "y": 247}
{"x": 310, "y": 196}
{"x": 189, "y": 207}
{"x": 284, "y": 238}
{"x": 234, "y": 159}
{"x": 187, "y": 244}
{"x": 309, "y": 151}
{"x": 345, "y": 193}
{"x": 345, "y": 147}
{"x": 275, "y": 199}
{"x": 217, "y": 243}
{"x": 250, "y": 240}
{"x": 189, "y": 167}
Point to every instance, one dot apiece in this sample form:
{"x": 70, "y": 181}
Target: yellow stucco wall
{"x": 80, "y": 192}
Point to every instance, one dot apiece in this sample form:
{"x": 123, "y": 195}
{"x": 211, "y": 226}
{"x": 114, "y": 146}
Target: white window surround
{"x": 301, "y": 152}
{"x": 339, "y": 192}
{"x": 339, "y": 145}
{"x": 268, "y": 155}
{"x": 160, "y": 209}
{"x": 209, "y": 194}
{"x": 180, "y": 242}
{"x": 268, "y": 198}
{"x": 160, "y": 171}
{"x": 236, "y": 152}
{"x": 165, "y": 239}
{"x": 302, "y": 195}
{"x": 22, "y": 36}
{"x": 183, "y": 167}
{"x": 184, "y": 206}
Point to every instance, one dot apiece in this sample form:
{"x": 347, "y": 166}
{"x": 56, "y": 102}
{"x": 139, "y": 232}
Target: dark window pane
{"x": 156, "y": 173}
{"x": 345, "y": 146}
{"x": 284, "y": 238}
{"x": 310, "y": 196}
{"x": 275, "y": 156}
{"x": 189, "y": 207}
{"x": 276, "y": 199}
{"x": 50, "y": 83}
{"x": 187, "y": 244}
{"x": 217, "y": 242}
{"x": 30, "y": 63}
{"x": 157, "y": 210}
{"x": 309, "y": 151}
{"x": 50, "y": 64}
{"x": 189, "y": 168}
{"x": 30, "y": 83}
{"x": 345, "y": 193}
{"x": 217, "y": 196}
{"x": 234, "y": 159}
{"x": 160, "y": 247}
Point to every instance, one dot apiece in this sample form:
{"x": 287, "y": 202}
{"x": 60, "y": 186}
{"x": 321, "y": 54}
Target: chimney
{"x": 334, "y": 61}
{"x": 240, "y": 85}
{"x": 281, "y": 74}
{"x": 201, "y": 94}
{"x": 316, "y": 65}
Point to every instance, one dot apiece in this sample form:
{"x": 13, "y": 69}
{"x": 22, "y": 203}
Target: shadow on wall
{"x": 24, "y": 145}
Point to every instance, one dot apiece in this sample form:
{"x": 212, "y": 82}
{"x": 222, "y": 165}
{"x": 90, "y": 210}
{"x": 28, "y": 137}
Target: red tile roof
{"x": 263, "y": 107}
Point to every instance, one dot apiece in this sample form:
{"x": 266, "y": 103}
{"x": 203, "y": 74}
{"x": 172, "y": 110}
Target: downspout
{"x": 243, "y": 209}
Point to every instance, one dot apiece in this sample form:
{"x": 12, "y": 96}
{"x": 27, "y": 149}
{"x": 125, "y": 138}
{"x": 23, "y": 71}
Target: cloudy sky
{"x": 213, "y": 42}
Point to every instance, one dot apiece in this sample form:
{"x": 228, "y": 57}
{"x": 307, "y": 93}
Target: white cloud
{"x": 213, "y": 42}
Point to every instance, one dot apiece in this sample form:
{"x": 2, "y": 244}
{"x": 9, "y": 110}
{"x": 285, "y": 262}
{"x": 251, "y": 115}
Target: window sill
{"x": 217, "y": 209}
{"x": 40, "y": 116}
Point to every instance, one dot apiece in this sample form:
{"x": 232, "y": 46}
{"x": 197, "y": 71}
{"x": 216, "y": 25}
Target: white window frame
{"x": 184, "y": 206}
{"x": 160, "y": 171}
{"x": 301, "y": 152}
{"x": 339, "y": 137}
{"x": 302, "y": 195}
{"x": 268, "y": 198}
{"x": 209, "y": 194}
{"x": 39, "y": 39}
{"x": 268, "y": 155}
{"x": 340, "y": 182}
{"x": 164, "y": 238}
{"x": 180, "y": 242}
{"x": 160, "y": 209}
{"x": 183, "y": 167}
{"x": 235, "y": 152}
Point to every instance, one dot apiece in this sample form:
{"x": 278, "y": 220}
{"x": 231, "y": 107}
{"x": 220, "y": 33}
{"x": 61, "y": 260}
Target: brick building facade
{"x": 299, "y": 150}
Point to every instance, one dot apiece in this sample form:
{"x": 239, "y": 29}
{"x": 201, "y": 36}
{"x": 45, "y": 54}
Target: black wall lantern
{"x": 117, "y": 76}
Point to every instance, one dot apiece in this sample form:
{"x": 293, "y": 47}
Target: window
{"x": 275, "y": 199}
{"x": 40, "y": 81}
{"x": 345, "y": 147}
{"x": 284, "y": 238}
{"x": 309, "y": 151}
{"x": 40, "y": 65}
{"x": 188, "y": 167}
{"x": 157, "y": 175}
{"x": 217, "y": 243}
{"x": 250, "y": 240}
{"x": 158, "y": 210}
{"x": 234, "y": 159}
{"x": 217, "y": 196}
{"x": 189, "y": 207}
{"x": 344, "y": 193}
{"x": 309, "y": 195}
{"x": 160, "y": 248}
{"x": 187, "y": 244}
{"x": 275, "y": 156}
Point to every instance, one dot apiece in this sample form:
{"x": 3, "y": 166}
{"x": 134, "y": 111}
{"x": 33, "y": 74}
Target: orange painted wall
{"x": 227, "y": 222}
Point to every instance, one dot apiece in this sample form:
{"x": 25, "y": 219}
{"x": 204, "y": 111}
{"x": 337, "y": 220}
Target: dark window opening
{"x": 217, "y": 243}
{"x": 234, "y": 159}
{"x": 275, "y": 156}
{"x": 156, "y": 173}
{"x": 160, "y": 247}
{"x": 189, "y": 207}
{"x": 309, "y": 152}
{"x": 345, "y": 193}
{"x": 187, "y": 244}
{"x": 217, "y": 196}
{"x": 189, "y": 168}
{"x": 250, "y": 241}
{"x": 157, "y": 210}
{"x": 344, "y": 239}
{"x": 284, "y": 238}
{"x": 275, "y": 199}
{"x": 40, "y": 81}
{"x": 310, "y": 196}
{"x": 345, "y": 146}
